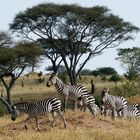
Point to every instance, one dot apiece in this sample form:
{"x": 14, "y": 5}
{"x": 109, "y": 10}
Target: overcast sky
{"x": 127, "y": 9}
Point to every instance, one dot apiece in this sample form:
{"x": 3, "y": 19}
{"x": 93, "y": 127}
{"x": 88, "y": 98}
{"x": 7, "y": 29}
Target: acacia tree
{"x": 13, "y": 61}
{"x": 5, "y": 39}
{"x": 51, "y": 54}
{"x": 130, "y": 61}
{"x": 75, "y": 33}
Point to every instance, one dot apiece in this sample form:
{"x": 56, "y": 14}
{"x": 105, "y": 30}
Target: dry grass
{"x": 81, "y": 125}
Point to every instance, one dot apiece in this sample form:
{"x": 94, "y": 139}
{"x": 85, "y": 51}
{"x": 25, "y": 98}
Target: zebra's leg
{"x": 53, "y": 116}
{"x": 37, "y": 123}
{"x": 105, "y": 111}
{"x": 118, "y": 114}
{"x": 75, "y": 105}
{"x": 61, "y": 115}
{"x": 113, "y": 113}
{"x": 26, "y": 122}
{"x": 124, "y": 112}
{"x": 65, "y": 103}
{"x": 92, "y": 111}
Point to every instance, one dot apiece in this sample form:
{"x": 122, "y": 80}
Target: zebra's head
{"x": 104, "y": 94}
{"x": 52, "y": 79}
{"x": 14, "y": 113}
{"x": 11, "y": 108}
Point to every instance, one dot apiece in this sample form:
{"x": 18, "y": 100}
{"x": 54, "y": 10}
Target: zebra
{"x": 114, "y": 103}
{"x": 67, "y": 91}
{"x": 35, "y": 109}
{"x": 133, "y": 111}
{"x": 89, "y": 102}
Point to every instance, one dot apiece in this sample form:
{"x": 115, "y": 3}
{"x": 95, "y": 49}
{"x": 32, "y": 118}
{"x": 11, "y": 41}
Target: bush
{"x": 63, "y": 76}
{"x": 115, "y": 78}
{"x": 126, "y": 89}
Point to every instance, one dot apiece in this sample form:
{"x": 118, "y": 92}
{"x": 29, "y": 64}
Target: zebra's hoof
{"x": 25, "y": 127}
{"x": 38, "y": 130}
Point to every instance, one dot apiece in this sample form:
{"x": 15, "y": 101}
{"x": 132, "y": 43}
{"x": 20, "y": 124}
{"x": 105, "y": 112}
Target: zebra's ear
{"x": 107, "y": 90}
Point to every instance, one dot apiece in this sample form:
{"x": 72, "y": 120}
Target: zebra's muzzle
{"x": 13, "y": 119}
{"x": 48, "y": 85}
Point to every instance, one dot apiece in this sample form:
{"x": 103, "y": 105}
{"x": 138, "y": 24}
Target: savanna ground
{"x": 80, "y": 125}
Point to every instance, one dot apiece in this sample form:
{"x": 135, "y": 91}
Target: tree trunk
{"x": 33, "y": 67}
{"x": 72, "y": 78}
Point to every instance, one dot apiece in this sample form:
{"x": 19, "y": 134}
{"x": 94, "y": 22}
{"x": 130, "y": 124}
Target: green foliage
{"x": 106, "y": 71}
{"x": 3, "y": 109}
{"x": 70, "y": 30}
{"x": 63, "y": 76}
{"x": 115, "y": 78}
{"x": 5, "y": 40}
{"x": 103, "y": 72}
{"x": 95, "y": 73}
{"x": 85, "y": 72}
{"x": 40, "y": 80}
{"x": 130, "y": 61}
{"x": 131, "y": 75}
{"x": 126, "y": 89}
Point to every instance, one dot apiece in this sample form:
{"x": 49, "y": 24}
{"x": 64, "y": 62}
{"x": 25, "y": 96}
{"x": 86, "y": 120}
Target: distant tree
{"x": 130, "y": 61}
{"x": 60, "y": 68}
{"x": 106, "y": 71}
{"x": 75, "y": 33}
{"x": 95, "y": 73}
{"x": 115, "y": 78}
{"x": 85, "y": 72}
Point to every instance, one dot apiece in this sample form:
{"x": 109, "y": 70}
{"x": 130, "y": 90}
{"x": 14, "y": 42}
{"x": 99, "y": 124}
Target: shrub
{"x": 115, "y": 78}
{"x": 126, "y": 89}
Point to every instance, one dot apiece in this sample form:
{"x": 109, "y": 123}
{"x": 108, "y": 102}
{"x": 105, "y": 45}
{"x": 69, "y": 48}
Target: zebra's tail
{"x": 92, "y": 87}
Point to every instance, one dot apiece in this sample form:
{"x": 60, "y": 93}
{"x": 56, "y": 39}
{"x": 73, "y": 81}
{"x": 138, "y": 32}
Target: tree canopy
{"x": 75, "y": 33}
{"x": 106, "y": 71}
{"x": 130, "y": 61}
{"x": 13, "y": 61}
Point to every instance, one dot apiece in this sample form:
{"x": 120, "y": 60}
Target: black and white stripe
{"x": 38, "y": 108}
{"x": 89, "y": 102}
{"x": 66, "y": 91}
{"x": 133, "y": 111}
{"x": 114, "y": 103}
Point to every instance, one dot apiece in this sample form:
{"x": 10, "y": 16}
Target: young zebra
{"x": 66, "y": 91}
{"x": 114, "y": 103}
{"x": 89, "y": 102}
{"x": 38, "y": 108}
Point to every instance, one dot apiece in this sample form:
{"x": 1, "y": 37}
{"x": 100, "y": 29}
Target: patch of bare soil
{"x": 79, "y": 121}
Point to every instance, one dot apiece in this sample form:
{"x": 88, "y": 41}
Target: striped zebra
{"x": 72, "y": 92}
{"x": 133, "y": 111}
{"x": 114, "y": 103}
{"x": 35, "y": 109}
{"x": 89, "y": 102}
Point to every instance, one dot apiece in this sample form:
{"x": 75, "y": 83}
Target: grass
{"x": 81, "y": 125}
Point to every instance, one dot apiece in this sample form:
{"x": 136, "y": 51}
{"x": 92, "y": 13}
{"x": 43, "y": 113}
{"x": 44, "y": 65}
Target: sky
{"x": 127, "y": 9}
